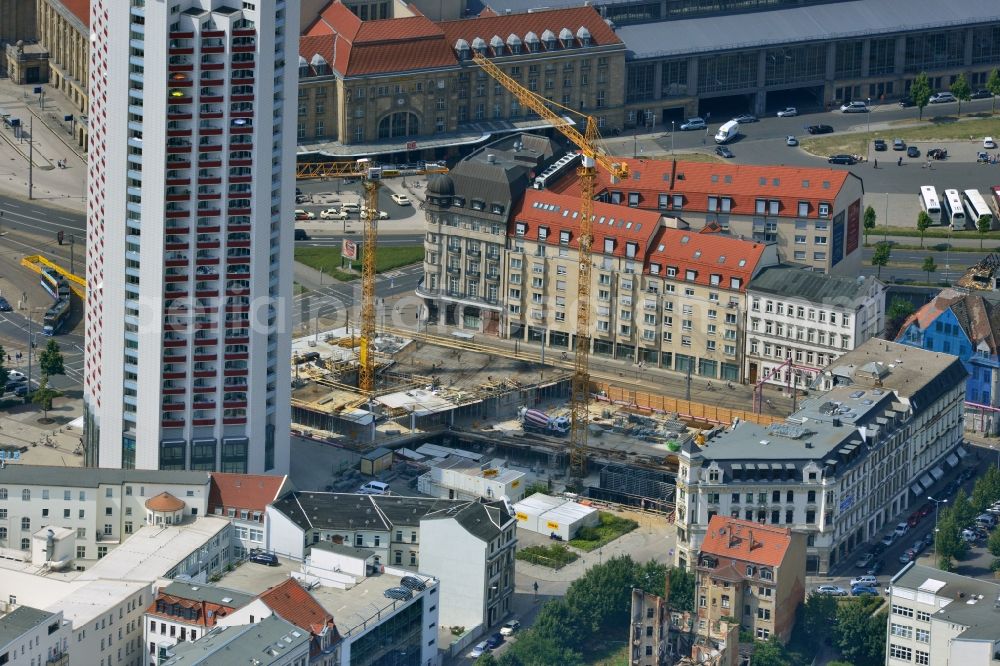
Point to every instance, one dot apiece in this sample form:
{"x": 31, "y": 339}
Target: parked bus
{"x": 976, "y": 207}
{"x": 56, "y": 316}
{"x": 954, "y": 212}
{"x": 929, "y": 202}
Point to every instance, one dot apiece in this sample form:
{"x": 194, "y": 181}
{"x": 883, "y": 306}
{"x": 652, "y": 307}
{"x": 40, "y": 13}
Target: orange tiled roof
{"x": 743, "y": 183}
{"x": 78, "y": 8}
{"x": 294, "y": 604}
{"x": 541, "y": 209}
{"x": 746, "y": 541}
{"x": 708, "y": 255}
{"x": 244, "y": 491}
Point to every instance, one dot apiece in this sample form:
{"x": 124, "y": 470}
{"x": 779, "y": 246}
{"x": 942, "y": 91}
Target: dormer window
{"x": 564, "y": 238}
{"x": 543, "y": 233}
{"x": 583, "y": 35}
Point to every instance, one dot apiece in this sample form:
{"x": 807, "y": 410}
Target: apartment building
{"x": 189, "y": 258}
{"x": 270, "y": 642}
{"x": 844, "y": 467}
{"x": 939, "y": 618}
{"x": 406, "y": 82}
{"x": 467, "y": 545}
{"x": 243, "y": 499}
{"x": 649, "y": 633}
{"x": 753, "y": 572}
{"x": 35, "y": 635}
{"x": 800, "y": 321}
{"x": 102, "y": 507}
{"x": 968, "y": 326}
{"x": 182, "y": 612}
{"x": 770, "y": 204}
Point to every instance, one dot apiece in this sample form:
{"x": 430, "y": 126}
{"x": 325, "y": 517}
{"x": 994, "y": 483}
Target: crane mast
{"x": 366, "y": 355}
{"x": 587, "y": 142}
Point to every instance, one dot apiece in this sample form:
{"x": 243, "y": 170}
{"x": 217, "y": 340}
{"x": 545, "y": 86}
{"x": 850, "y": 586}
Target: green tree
{"x": 923, "y": 223}
{"x": 860, "y": 635}
{"x": 819, "y": 614}
{"x": 770, "y": 653}
{"x": 993, "y": 85}
{"x": 881, "y": 256}
{"x": 869, "y": 219}
{"x": 948, "y": 543}
{"x": 920, "y": 92}
{"x": 51, "y": 360}
{"x": 962, "y": 509}
{"x": 682, "y": 584}
{"x": 899, "y": 311}
{"x": 43, "y": 396}
{"x": 982, "y": 226}
{"x": 929, "y": 266}
{"x": 961, "y": 90}
{"x": 994, "y": 543}
{"x": 533, "y": 649}
{"x": 4, "y": 372}
{"x": 487, "y": 659}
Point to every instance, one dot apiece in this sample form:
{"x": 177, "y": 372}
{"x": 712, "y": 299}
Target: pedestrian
{"x": 899, "y": 162}
{"x": 876, "y": 162}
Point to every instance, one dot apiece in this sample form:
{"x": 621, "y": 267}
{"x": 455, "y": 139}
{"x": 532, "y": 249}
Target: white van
{"x": 374, "y": 488}
{"x": 727, "y": 132}
{"x": 351, "y": 207}
{"x": 986, "y": 520}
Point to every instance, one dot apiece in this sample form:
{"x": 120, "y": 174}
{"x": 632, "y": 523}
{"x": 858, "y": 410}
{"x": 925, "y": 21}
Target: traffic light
{"x": 59, "y": 236}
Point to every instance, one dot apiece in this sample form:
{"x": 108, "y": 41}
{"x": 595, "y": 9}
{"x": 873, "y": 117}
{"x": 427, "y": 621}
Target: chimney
{"x": 491, "y": 158}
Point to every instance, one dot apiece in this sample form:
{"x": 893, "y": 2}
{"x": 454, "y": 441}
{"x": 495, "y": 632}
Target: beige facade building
{"x": 64, "y": 28}
{"x": 754, "y": 573}
{"x": 409, "y": 83}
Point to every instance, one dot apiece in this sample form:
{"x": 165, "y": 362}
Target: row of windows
{"x": 82, "y": 495}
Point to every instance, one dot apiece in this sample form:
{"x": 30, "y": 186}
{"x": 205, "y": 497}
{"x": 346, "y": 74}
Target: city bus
{"x": 55, "y": 284}
{"x": 954, "y": 212}
{"x": 929, "y": 202}
{"x": 56, "y": 316}
{"x": 976, "y": 207}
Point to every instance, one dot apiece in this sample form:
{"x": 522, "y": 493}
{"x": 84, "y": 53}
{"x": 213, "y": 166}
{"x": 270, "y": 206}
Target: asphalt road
{"x": 25, "y": 215}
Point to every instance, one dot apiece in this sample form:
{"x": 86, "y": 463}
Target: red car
{"x": 913, "y": 519}
{"x": 925, "y": 510}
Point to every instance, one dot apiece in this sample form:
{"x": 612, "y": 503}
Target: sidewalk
{"x": 65, "y": 188}
{"x": 55, "y": 443}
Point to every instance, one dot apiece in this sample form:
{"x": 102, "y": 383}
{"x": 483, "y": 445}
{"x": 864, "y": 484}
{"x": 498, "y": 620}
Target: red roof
{"x": 742, "y": 183}
{"x": 541, "y": 209}
{"x": 244, "y": 491}
{"x": 294, "y": 604}
{"x": 746, "y": 541}
{"x": 712, "y": 256}
{"x": 486, "y": 26}
{"x": 78, "y": 8}
{"x": 355, "y": 48}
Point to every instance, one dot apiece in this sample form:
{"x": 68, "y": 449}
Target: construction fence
{"x": 685, "y": 410}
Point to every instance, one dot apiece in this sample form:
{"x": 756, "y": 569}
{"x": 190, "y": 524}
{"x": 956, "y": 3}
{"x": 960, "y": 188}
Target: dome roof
{"x": 478, "y": 43}
{"x": 461, "y": 45}
{"x": 164, "y": 503}
{"x": 583, "y": 33}
{"x": 548, "y": 35}
{"x": 531, "y": 37}
{"x": 318, "y": 60}
{"x": 496, "y": 43}
{"x": 565, "y": 35}
{"x": 441, "y": 184}
{"x": 513, "y": 39}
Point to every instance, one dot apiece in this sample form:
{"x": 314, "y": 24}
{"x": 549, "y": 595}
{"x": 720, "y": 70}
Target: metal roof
{"x": 842, "y": 20}
{"x": 91, "y": 477}
{"x": 19, "y": 621}
{"x": 818, "y": 288}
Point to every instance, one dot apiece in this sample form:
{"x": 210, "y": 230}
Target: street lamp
{"x": 937, "y": 503}
{"x": 868, "y": 152}
{"x": 672, "y": 123}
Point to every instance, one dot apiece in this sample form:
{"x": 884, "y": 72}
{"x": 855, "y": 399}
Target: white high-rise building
{"x": 191, "y": 175}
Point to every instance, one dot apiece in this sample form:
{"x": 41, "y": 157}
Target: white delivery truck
{"x": 727, "y": 132}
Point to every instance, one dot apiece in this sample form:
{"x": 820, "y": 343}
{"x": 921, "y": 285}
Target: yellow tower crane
{"x": 588, "y": 143}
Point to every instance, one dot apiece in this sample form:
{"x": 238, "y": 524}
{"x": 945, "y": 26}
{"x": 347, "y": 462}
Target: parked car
{"x": 398, "y": 593}
{"x": 510, "y": 627}
{"x": 989, "y": 143}
{"x": 918, "y": 546}
{"x": 379, "y": 214}
{"x": 880, "y": 145}
{"x": 374, "y": 488}
{"x": 876, "y": 568}
{"x": 350, "y": 207}
{"x": 898, "y": 144}
{"x": 842, "y": 159}
{"x": 907, "y": 556}
{"x": 941, "y": 98}
{"x": 401, "y": 199}
{"x": 854, "y": 107}
{"x": 888, "y": 539}
{"x": 300, "y": 234}
{"x": 333, "y": 214}
{"x": 693, "y": 124}
{"x": 928, "y": 539}
{"x": 744, "y": 118}
{"x": 722, "y": 151}
{"x": 16, "y": 375}
{"x": 263, "y": 557}
{"x": 905, "y": 102}
{"x": 901, "y": 529}
{"x": 926, "y": 509}
{"x": 788, "y": 112}
{"x": 862, "y": 590}
{"x": 4, "y": 305}
{"x": 937, "y": 153}
{"x": 479, "y": 650}
{"x": 864, "y": 561}
{"x": 413, "y": 583}
{"x": 832, "y": 590}
{"x": 819, "y": 129}
{"x": 864, "y": 580}
{"x": 304, "y": 215}
{"x": 912, "y": 151}
{"x": 494, "y": 641}
{"x": 878, "y": 548}
{"x": 791, "y": 141}
{"x": 981, "y": 94}
{"x": 21, "y": 390}
{"x": 913, "y": 519}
